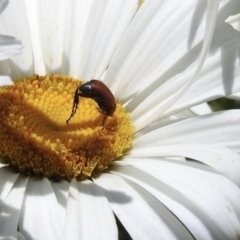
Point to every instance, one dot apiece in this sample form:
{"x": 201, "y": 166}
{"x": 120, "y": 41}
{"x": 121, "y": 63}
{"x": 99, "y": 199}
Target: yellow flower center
{"x": 34, "y": 136}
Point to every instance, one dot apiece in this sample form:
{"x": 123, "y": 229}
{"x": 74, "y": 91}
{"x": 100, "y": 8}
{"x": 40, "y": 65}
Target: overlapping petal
{"x": 89, "y": 215}
{"x": 204, "y": 201}
{"x": 206, "y": 129}
{"x": 11, "y": 208}
{"x": 87, "y": 37}
{"x": 142, "y": 215}
{"x": 9, "y": 47}
{"x": 211, "y": 139}
{"x": 40, "y": 217}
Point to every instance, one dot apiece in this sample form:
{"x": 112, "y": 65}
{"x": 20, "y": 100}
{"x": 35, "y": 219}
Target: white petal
{"x": 140, "y": 213}
{"x": 50, "y": 29}
{"x": 156, "y": 103}
{"x": 221, "y": 128}
{"x": 9, "y": 47}
{"x": 33, "y": 23}
{"x": 7, "y": 180}
{"x": 106, "y": 23}
{"x": 76, "y": 33}
{"x": 14, "y": 22}
{"x": 220, "y": 74}
{"x": 10, "y": 209}
{"x": 39, "y": 217}
{"x": 235, "y": 96}
{"x": 196, "y": 138}
{"x": 145, "y": 53}
{"x": 201, "y": 109}
{"x": 3, "y": 5}
{"x": 3, "y": 165}
{"x": 234, "y": 21}
{"x": 61, "y": 192}
{"x": 224, "y": 160}
{"x": 20, "y": 236}
{"x": 157, "y": 125}
{"x": 5, "y": 80}
{"x": 206, "y": 203}
{"x": 76, "y": 16}
{"x": 89, "y": 215}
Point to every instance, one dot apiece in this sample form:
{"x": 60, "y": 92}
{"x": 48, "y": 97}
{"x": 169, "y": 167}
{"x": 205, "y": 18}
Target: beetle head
{"x": 86, "y": 88}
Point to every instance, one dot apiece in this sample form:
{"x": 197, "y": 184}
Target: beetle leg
{"x": 104, "y": 119}
{"x": 101, "y": 111}
{"x": 104, "y": 114}
{"x": 75, "y": 104}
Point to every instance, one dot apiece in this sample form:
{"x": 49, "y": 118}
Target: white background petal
{"x": 9, "y": 46}
{"x": 89, "y": 215}
{"x": 14, "y": 22}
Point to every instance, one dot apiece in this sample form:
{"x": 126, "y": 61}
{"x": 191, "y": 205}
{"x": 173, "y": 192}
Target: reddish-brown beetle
{"x": 100, "y": 93}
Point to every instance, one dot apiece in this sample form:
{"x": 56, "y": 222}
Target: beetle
{"x": 100, "y": 93}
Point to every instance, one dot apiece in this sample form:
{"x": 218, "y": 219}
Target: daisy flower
{"x": 133, "y": 160}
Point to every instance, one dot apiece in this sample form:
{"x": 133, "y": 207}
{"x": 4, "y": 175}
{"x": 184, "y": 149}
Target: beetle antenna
{"x": 75, "y": 104}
